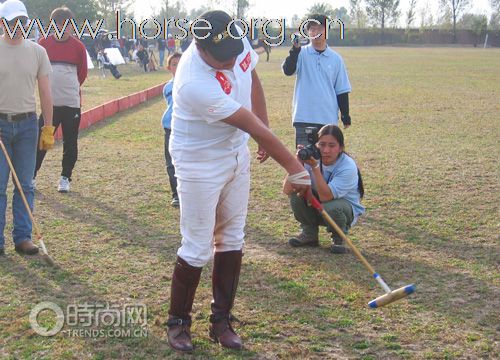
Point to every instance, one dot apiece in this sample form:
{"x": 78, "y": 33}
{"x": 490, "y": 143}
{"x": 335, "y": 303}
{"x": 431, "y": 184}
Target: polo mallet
{"x": 45, "y": 255}
{"x": 390, "y": 295}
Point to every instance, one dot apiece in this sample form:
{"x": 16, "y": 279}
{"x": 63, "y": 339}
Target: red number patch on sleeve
{"x": 224, "y": 82}
{"x": 245, "y": 64}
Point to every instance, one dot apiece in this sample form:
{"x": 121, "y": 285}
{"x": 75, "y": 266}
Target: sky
{"x": 287, "y": 8}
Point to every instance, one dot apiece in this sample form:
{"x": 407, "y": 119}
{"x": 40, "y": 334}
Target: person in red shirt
{"x": 68, "y": 58}
{"x": 170, "y": 44}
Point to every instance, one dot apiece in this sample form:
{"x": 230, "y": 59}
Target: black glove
{"x": 346, "y": 119}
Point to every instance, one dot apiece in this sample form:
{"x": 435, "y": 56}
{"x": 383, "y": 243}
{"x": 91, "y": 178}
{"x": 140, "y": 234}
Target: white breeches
{"x": 213, "y": 204}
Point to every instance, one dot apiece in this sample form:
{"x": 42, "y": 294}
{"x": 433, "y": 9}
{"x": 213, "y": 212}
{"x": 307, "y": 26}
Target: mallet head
{"x": 392, "y": 296}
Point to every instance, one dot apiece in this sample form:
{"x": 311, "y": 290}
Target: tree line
{"x": 382, "y": 14}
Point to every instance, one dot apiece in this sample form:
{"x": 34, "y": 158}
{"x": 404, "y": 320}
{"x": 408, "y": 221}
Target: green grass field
{"x": 425, "y": 134}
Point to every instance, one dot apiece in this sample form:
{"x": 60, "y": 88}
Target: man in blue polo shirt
{"x": 322, "y": 86}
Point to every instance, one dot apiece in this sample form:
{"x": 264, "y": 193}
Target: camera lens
{"x": 304, "y": 154}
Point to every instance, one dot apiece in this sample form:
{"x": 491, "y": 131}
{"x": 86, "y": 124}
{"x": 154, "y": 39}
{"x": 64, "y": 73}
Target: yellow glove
{"x": 46, "y": 138}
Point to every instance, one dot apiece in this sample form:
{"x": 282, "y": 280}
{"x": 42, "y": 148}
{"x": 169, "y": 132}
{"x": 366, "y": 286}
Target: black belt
{"x": 16, "y": 117}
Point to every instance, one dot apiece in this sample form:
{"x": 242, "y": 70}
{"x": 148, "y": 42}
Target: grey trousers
{"x": 170, "y": 166}
{"x": 340, "y": 210}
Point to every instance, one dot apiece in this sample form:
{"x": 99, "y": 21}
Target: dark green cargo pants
{"x": 310, "y": 219}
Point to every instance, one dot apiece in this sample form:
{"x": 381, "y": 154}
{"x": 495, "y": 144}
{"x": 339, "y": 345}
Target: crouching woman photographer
{"x": 337, "y": 182}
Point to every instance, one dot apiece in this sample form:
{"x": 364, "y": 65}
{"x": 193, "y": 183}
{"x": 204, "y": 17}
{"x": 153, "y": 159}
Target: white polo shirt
{"x": 203, "y": 96}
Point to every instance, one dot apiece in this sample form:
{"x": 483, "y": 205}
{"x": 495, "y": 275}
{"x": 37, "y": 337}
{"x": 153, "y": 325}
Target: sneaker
{"x": 338, "y": 246}
{"x": 175, "y": 201}
{"x": 63, "y": 185}
{"x": 33, "y": 184}
{"x": 304, "y": 240}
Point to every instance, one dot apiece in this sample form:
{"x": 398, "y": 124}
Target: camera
{"x": 310, "y": 150}
{"x": 298, "y": 39}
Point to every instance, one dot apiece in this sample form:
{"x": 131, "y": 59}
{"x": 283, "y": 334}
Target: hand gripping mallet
{"x": 45, "y": 255}
{"x": 390, "y": 295}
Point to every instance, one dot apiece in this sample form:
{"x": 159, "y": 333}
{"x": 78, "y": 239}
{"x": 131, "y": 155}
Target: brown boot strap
{"x": 178, "y": 321}
{"x": 215, "y": 318}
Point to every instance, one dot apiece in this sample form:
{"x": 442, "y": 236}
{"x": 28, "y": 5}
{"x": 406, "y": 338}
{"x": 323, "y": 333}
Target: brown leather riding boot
{"x": 27, "y": 248}
{"x": 184, "y": 283}
{"x": 225, "y": 276}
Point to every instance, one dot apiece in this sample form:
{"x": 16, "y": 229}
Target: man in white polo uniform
{"x": 218, "y": 99}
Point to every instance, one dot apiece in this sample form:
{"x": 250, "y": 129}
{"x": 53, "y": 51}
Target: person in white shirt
{"x": 218, "y": 101}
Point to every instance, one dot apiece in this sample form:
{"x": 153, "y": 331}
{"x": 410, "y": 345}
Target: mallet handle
{"x": 346, "y": 239}
{"x": 317, "y": 205}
